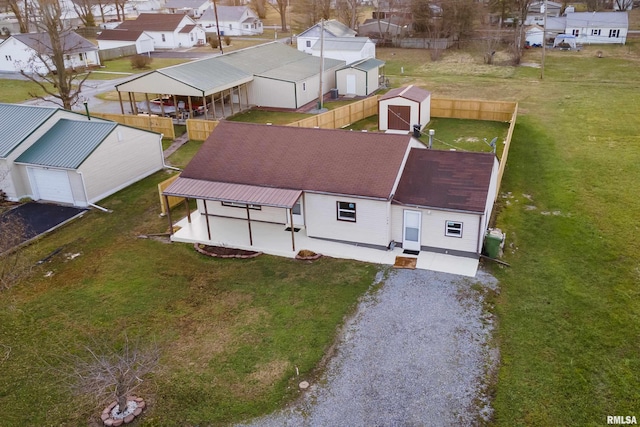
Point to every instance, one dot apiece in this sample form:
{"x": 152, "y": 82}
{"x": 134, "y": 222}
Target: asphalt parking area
{"x": 37, "y": 219}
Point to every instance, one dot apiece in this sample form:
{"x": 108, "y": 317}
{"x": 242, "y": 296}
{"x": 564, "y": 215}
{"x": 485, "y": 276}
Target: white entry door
{"x": 411, "y": 230}
{"x": 298, "y": 217}
{"x": 351, "y": 83}
{"x": 51, "y": 185}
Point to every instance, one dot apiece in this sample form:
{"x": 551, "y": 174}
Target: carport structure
{"x": 202, "y": 83}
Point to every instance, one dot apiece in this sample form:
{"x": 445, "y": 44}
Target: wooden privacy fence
{"x": 199, "y": 130}
{"x": 173, "y": 201}
{"x": 507, "y": 145}
{"x": 497, "y": 111}
{"x": 163, "y": 125}
{"x": 341, "y": 116}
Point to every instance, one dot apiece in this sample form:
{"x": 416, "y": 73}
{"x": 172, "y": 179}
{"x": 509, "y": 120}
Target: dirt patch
{"x": 225, "y": 252}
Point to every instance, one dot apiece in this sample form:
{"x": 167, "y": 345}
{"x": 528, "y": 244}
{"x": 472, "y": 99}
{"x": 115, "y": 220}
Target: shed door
{"x": 411, "y": 230}
{"x": 351, "y": 83}
{"x": 50, "y": 184}
{"x": 399, "y": 117}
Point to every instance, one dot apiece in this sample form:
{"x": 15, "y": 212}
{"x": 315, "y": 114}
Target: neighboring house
{"x": 31, "y": 52}
{"x": 233, "y": 21}
{"x": 360, "y": 78}
{"x": 111, "y": 39}
{"x": 534, "y": 35}
{"x": 268, "y": 75}
{"x": 347, "y": 49}
{"x": 169, "y": 31}
{"x": 193, "y": 8}
{"x": 555, "y": 26}
{"x": 536, "y": 12}
{"x": 320, "y": 181}
{"x": 331, "y": 28}
{"x": 598, "y": 27}
{"x": 385, "y": 29}
{"x": 402, "y": 108}
{"x": 63, "y": 157}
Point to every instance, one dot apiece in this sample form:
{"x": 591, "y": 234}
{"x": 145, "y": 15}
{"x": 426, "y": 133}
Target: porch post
{"x": 186, "y": 205}
{"x": 293, "y": 231}
{"x": 166, "y": 204}
{"x": 249, "y": 224}
{"x": 161, "y": 104}
{"x": 134, "y": 106}
{"x": 231, "y": 100}
{"x": 146, "y": 97}
{"x": 120, "y": 99}
{"x": 190, "y": 107}
{"x": 175, "y": 106}
{"x": 222, "y": 102}
{"x": 204, "y": 105}
{"x": 213, "y": 106}
{"x": 206, "y": 217}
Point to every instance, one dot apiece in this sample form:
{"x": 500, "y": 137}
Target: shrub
{"x": 213, "y": 41}
{"x": 140, "y": 62}
{"x": 227, "y": 40}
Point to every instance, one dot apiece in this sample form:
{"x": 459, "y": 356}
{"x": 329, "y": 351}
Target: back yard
{"x": 233, "y": 332}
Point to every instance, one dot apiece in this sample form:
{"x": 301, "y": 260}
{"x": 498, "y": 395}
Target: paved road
{"x": 416, "y": 353}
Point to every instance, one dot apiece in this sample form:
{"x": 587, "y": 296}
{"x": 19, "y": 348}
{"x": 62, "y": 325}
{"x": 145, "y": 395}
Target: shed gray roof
{"x": 184, "y": 4}
{"x": 41, "y": 42}
{"x": 365, "y": 64}
{"x": 556, "y": 24}
{"x": 155, "y": 22}
{"x": 332, "y": 27}
{"x": 67, "y": 144}
{"x": 28, "y": 117}
{"x": 342, "y": 43}
{"x": 411, "y": 92}
{"x": 225, "y": 13}
{"x": 598, "y": 19}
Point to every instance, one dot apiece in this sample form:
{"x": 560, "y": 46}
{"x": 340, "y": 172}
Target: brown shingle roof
{"x": 411, "y": 92}
{"x": 187, "y": 28}
{"x": 153, "y": 22}
{"x": 120, "y": 35}
{"x": 454, "y": 180}
{"x": 322, "y": 160}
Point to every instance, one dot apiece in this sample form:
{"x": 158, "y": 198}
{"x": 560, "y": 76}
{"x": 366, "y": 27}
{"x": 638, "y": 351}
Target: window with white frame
{"x": 191, "y": 36}
{"x": 453, "y": 229}
{"x": 163, "y": 38}
{"x": 614, "y": 33}
{"x": 346, "y": 211}
{"x": 595, "y": 32}
{"x": 575, "y": 32}
{"x": 308, "y": 43}
{"x": 241, "y": 205}
{"x": 304, "y": 86}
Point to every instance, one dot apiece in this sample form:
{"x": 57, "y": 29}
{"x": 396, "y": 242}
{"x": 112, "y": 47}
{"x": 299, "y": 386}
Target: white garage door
{"x": 52, "y": 185}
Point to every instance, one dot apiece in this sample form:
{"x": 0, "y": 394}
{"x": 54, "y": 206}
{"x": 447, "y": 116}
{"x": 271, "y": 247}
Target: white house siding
{"x": 425, "y": 111}
{"x": 371, "y": 226}
{"x": 273, "y": 93}
{"x": 144, "y": 45}
{"x": 491, "y": 198}
{"x": 7, "y": 179}
{"x": 126, "y": 156}
{"x": 266, "y": 213}
{"x": 433, "y": 229}
{"x": 112, "y": 44}
{"x": 373, "y": 81}
{"x": 585, "y": 35}
{"x": 341, "y": 81}
{"x": 170, "y": 39}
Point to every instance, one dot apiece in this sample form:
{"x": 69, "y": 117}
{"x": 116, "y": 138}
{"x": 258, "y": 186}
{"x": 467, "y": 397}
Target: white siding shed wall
{"x": 126, "y": 156}
{"x": 266, "y": 213}
{"x": 371, "y": 226}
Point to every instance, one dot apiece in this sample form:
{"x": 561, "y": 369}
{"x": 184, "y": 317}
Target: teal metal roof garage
{"x": 63, "y": 157}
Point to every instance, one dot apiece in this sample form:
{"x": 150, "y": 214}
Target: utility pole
{"x": 320, "y": 103}
{"x": 544, "y": 40}
{"x": 215, "y": 11}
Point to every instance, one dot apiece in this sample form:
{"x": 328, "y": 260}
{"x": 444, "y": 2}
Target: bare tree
{"x": 281, "y": 8}
{"x": 622, "y": 4}
{"x": 84, "y": 9}
{"x": 52, "y": 46}
{"x": 503, "y": 7}
{"x": 111, "y": 373}
{"x": 312, "y": 10}
{"x": 21, "y": 10}
{"x": 259, "y": 8}
{"x": 348, "y": 12}
{"x": 457, "y": 18}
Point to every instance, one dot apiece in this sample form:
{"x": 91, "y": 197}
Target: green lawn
{"x": 569, "y": 307}
{"x": 16, "y": 91}
{"x": 117, "y": 68}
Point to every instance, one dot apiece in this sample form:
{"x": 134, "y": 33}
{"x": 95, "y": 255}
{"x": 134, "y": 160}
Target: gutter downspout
{"x": 164, "y": 165}
{"x": 86, "y": 196}
{"x": 480, "y": 235}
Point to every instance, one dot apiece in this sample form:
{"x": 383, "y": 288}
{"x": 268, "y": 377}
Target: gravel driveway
{"x": 416, "y": 353}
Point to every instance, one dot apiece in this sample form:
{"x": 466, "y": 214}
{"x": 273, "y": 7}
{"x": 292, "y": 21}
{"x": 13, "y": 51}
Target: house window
{"x": 453, "y": 229}
{"x": 308, "y": 43}
{"x": 241, "y": 205}
{"x": 7, "y": 57}
{"x": 163, "y": 38}
{"x": 346, "y": 211}
{"x": 191, "y": 36}
{"x": 231, "y": 26}
{"x": 575, "y": 32}
{"x": 595, "y": 32}
{"x": 304, "y": 86}
{"x": 80, "y": 55}
{"x": 614, "y": 33}
{"x": 68, "y": 57}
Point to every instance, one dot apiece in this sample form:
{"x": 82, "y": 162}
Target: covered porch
{"x": 275, "y": 239}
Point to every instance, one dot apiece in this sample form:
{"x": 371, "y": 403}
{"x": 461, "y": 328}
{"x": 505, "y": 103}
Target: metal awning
{"x": 234, "y": 193}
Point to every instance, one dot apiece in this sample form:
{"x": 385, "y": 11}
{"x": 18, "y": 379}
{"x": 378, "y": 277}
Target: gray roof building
{"x": 29, "y": 117}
